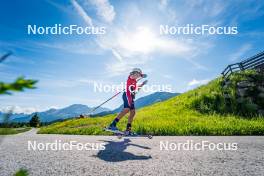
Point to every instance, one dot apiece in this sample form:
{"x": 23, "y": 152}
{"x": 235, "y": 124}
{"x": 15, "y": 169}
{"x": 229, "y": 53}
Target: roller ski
{"x": 121, "y": 134}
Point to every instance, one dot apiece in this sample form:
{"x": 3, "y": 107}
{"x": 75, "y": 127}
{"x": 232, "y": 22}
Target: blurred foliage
{"x": 19, "y": 85}
{"x": 21, "y": 172}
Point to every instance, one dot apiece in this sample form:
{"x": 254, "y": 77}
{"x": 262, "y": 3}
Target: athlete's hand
{"x": 141, "y": 85}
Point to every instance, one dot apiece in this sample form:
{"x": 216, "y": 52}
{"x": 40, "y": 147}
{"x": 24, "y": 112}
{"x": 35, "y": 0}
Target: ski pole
{"x": 95, "y": 108}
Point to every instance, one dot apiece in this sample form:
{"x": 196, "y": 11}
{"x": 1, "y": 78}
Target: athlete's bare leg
{"x": 131, "y": 116}
{"x": 122, "y": 113}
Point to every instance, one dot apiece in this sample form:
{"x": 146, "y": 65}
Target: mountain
{"x": 58, "y": 114}
{"x": 12, "y": 116}
{"x": 78, "y": 109}
{"x": 144, "y": 101}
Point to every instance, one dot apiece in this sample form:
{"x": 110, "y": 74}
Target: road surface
{"x": 137, "y": 156}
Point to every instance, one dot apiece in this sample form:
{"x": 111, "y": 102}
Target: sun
{"x": 140, "y": 41}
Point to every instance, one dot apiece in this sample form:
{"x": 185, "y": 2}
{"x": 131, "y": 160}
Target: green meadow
{"x": 201, "y": 111}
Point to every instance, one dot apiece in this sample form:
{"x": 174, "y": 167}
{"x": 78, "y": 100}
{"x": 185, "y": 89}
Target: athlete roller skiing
{"x": 128, "y": 99}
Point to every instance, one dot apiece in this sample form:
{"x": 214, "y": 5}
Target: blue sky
{"x": 67, "y": 65}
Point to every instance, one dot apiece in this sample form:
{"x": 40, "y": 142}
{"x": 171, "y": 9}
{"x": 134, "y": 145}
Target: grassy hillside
{"x": 196, "y": 112}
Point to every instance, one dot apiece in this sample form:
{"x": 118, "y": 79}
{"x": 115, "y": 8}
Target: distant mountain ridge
{"x": 57, "y": 114}
{"x": 78, "y": 109}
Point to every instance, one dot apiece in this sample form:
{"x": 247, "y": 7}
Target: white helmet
{"x": 138, "y": 70}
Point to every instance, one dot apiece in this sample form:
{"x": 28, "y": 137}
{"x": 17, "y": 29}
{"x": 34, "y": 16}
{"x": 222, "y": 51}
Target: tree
{"x": 34, "y": 122}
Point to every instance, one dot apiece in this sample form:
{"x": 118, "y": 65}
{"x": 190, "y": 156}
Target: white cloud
{"x": 240, "y": 52}
{"x": 207, "y": 8}
{"x": 86, "y": 47}
{"x": 86, "y": 81}
{"x": 117, "y": 55}
{"x": 196, "y": 82}
{"x": 136, "y": 47}
{"x": 133, "y": 45}
{"x": 134, "y": 55}
{"x": 19, "y": 109}
{"x": 19, "y": 59}
{"x": 65, "y": 83}
{"x": 22, "y": 103}
{"x": 144, "y": 41}
{"x": 82, "y": 12}
{"x": 167, "y": 76}
{"x": 163, "y": 4}
{"x": 217, "y": 8}
{"x": 104, "y": 9}
{"x": 118, "y": 68}
{"x": 61, "y": 7}
{"x": 167, "y": 11}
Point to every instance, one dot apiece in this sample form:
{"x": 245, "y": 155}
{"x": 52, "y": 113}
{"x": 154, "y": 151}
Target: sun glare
{"x": 142, "y": 40}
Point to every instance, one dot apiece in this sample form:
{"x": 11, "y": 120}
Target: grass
{"x": 176, "y": 116}
{"x": 6, "y": 131}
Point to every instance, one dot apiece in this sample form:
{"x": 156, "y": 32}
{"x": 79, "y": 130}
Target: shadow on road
{"x": 115, "y": 152}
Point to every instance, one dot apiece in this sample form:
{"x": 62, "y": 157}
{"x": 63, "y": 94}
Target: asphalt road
{"x": 133, "y": 156}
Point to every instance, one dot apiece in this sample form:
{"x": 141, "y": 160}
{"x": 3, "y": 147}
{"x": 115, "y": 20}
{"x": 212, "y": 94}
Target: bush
{"x": 209, "y": 103}
{"x": 247, "y": 106}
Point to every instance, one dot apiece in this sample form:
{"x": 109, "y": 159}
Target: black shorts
{"x": 125, "y": 100}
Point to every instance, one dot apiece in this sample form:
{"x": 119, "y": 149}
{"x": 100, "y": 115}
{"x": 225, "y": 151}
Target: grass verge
{"x": 6, "y": 131}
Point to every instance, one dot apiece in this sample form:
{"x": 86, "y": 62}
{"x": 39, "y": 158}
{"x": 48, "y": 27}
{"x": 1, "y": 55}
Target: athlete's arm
{"x": 141, "y": 85}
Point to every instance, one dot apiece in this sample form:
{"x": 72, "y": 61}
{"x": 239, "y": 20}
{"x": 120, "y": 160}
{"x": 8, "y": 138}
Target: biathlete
{"x": 128, "y": 99}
